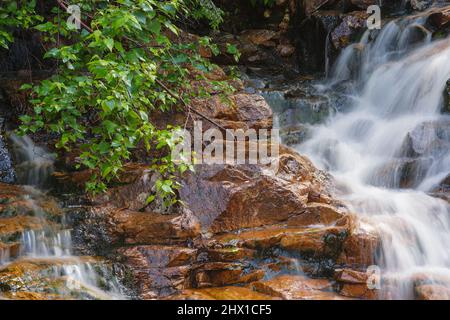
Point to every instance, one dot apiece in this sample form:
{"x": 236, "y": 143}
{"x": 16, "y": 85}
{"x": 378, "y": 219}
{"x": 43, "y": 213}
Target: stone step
{"x": 297, "y": 287}
{"x": 221, "y": 293}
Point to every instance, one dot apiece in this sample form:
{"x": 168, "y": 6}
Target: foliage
{"x": 14, "y": 16}
{"x": 206, "y": 9}
{"x": 108, "y": 83}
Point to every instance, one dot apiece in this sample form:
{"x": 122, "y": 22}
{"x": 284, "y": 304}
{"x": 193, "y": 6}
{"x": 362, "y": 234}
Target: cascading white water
{"x": 393, "y": 147}
{"x": 52, "y": 244}
{"x": 33, "y": 164}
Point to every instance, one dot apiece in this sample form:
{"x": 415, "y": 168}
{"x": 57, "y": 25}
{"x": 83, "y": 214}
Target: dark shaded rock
{"x": 349, "y": 29}
{"x": 364, "y": 4}
{"x": 312, "y": 33}
{"x": 324, "y": 34}
{"x": 309, "y": 7}
{"x": 420, "y": 5}
{"x": 218, "y": 274}
{"x": 7, "y": 173}
{"x": 103, "y": 227}
{"x": 439, "y": 19}
{"x": 446, "y": 97}
{"x": 159, "y": 270}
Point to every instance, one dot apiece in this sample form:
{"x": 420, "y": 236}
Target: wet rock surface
{"x": 227, "y": 234}
{"x": 7, "y": 172}
{"x": 294, "y": 287}
{"x": 35, "y": 259}
{"x": 244, "y": 231}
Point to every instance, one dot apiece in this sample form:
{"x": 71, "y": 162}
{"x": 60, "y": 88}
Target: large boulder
{"x": 226, "y": 198}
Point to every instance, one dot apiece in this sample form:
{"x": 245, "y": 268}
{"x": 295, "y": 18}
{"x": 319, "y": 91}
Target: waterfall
{"x": 52, "y": 243}
{"x": 392, "y": 149}
{"x": 34, "y": 164}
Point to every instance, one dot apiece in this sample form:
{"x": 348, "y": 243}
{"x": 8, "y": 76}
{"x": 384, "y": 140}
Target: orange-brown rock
{"x": 317, "y": 242}
{"x": 216, "y": 274}
{"x": 227, "y": 197}
{"x": 292, "y": 287}
{"x": 350, "y": 276}
{"x": 230, "y": 254}
{"x": 317, "y": 213}
{"x": 16, "y": 200}
{"x": 320, "y": 242}
{"x": 360, "y": 246}
{"x": 353, "y": 284}
{"x": 18, "y": 224}
{"x": 9, "y": 250}
{"x": 221, "y": 293}
{"x": 9, "y": 191}
{"x": 358, "y": 291}
{"x": 106, "y": 225}
{"x": 432, "y": 292}
{"x": 258, "y": 239}
{"x": 240, "y": 111}
{"x": 28, "y": 295}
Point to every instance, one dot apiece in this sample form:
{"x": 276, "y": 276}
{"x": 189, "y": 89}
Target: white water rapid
{"x": 392, "y": 149}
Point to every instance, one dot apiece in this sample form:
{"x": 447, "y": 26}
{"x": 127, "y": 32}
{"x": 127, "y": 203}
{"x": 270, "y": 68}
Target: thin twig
{"x": 187, "y": 106}
{"x": 161, "y": 84}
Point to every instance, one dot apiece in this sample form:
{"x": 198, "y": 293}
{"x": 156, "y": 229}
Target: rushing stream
{"x": 50, "y": 245}
{"x": 391, "y": 149}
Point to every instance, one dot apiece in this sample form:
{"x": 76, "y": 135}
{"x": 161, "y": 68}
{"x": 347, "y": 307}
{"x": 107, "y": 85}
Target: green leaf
{"x": 144, "y": 116}
{"x": 155, "y": 27}
{"x": 109, "y": 43}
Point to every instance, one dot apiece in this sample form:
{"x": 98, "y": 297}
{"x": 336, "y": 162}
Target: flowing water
{"x": 51, "y": 243}
{"x": 392, "y": 148}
